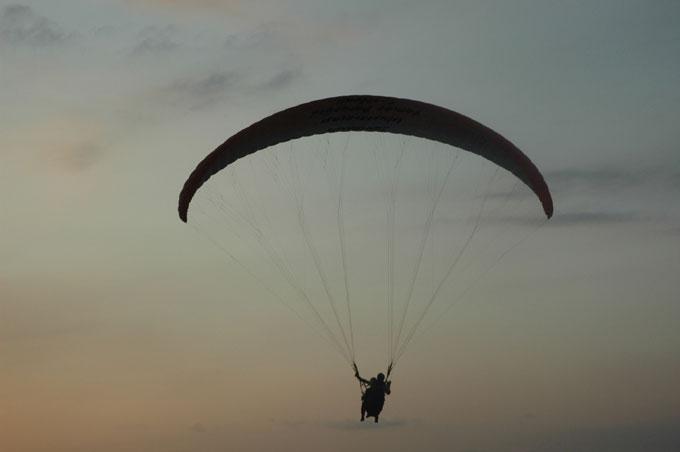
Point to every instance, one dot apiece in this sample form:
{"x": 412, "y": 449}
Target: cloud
{"x": 281, "y": 80}
{"x": 593, "y": 178}
{"x": 569, "y": 216}
{"x": 614, "y": 195}
{"x": 153, "y": 39}
{"x": 201, "y": 92}
{"x": 613, "y": 178}
{"x": 574, "y": 218}
{"x": 574, "y": 182}
{"x": 19, "y": 24}
{"x": 226, "y": 5}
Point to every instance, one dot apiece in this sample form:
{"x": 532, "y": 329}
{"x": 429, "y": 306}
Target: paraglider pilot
{"x": 373, "y": 394}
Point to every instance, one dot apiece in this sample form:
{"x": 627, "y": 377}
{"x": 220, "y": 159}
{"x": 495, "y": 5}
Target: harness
{"x": 363, "y": 385}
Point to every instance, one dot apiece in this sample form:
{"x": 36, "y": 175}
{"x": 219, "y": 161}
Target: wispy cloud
{"x": 19, "y": 24}
{"x": 201, "y": 92}
{"x": 593, "y": 178}
{"x": 570, "y": 216}
{"x": 613, "y": 178}
{"x": 575, "y": 181}
{"x": 281, "y": 80}
{"x": 154, "y": 39}
{"x": 596, "y": 196}
{"x": 613, "y": 195}
{"x": 574, "y": 218}
{"x": 226, "y": 5}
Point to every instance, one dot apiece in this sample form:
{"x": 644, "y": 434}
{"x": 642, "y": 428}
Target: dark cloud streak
{"x": 612, "y": 178}
{"x": 281, "y": 80}
{"x": 595, "y": 218}
{"x": 202, "y": 92}
{"x": 153, "y": 40}
{"x": 600, "y": 178}
{"x": 19, "y": 24}
{"x": 613, "y": 195}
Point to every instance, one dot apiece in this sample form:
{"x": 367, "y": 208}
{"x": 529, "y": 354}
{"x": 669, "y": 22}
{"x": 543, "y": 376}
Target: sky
{"x": 122, "y": 329}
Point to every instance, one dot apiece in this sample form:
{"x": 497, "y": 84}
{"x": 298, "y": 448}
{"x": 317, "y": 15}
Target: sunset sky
{"x": 122, "y": 329}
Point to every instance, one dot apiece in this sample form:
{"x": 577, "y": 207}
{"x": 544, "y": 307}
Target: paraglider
{"x": 373, "y": 394}
{"x": 269, "y": 168}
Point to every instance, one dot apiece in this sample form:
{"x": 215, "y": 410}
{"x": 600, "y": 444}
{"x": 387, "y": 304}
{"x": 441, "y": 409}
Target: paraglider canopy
{"x": 369, "y": 113}
{"x": 407, "y": 213}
